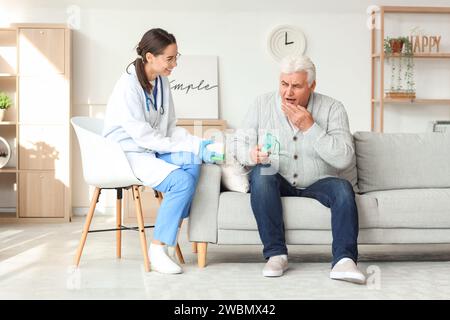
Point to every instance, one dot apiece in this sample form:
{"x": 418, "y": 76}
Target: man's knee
{"x": 259, "y": 178}
{"x": 342, "y": 189}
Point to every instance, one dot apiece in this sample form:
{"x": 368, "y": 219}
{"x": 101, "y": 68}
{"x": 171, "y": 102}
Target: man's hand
{"x": 257, "y": 156}
{"x": 298, "y": 115}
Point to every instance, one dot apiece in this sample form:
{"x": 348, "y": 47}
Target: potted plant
{"x": 393, "y": 45}
{"x": 5, "y": 103}
{"x": 402, "y": 67}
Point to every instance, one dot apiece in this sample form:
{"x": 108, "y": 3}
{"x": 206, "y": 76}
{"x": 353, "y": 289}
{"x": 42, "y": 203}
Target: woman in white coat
{"x": 140, "y": 116}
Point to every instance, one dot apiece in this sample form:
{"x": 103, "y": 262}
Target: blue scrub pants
{"x": 179, "y": 189}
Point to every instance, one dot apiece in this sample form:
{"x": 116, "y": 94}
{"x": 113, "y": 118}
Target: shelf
{"x": 440, "y": 55}
{"x": 8, "y": 170}
{"x": 404, "y": 9}
{"x": 415, "y": 101}
{"x": 8, "y": 123}
{"x": 7, "y": 75}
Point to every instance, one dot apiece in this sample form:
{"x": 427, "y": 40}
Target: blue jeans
{"x": 179, "y": 189}
{"x": 334, "y": 193}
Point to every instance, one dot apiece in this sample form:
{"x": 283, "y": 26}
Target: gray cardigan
{"x": 301, "y": 158}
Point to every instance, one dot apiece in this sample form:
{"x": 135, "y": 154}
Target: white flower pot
{"x": 2, "y": 114}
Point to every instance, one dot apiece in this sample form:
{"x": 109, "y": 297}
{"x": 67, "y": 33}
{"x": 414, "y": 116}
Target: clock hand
{"x": 285, "y": 40}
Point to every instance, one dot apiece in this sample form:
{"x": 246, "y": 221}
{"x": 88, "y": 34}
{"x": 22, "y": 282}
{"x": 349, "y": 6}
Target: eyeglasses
{"x": 173, "y": 58}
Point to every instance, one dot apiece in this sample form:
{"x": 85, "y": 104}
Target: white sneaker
{"x": 161, "y": 262}
{"x": 346, "y": 270}
{"x": 171, "y": 252}
{"x": 276, "y": 266}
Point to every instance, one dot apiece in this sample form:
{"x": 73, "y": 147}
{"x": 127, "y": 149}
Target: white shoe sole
{"x": 165, "y": 271}
{"x": 348, "y": 276}
{"x": 268, "y": 273}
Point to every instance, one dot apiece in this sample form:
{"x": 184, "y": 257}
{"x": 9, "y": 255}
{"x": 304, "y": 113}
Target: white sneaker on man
{"x": 160, "y": 260}
{"x": 276, "y": 266}
{"x": 346, "y": 270}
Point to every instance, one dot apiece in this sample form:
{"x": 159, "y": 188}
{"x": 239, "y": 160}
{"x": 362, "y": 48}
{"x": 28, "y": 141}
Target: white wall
{"x": 338, "y": 41}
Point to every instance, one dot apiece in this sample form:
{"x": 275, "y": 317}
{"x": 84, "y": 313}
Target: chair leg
{"x": 202, "y": 248}
{"x": 179, "y": 254}
{"x": 194, "y": 247}
{"x": 140, "y": 219}
{"x": 87, "y": 224}
{"x": 119, "y": 223}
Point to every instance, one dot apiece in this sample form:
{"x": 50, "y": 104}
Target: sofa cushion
{"x": 413, "y": 208}
{"x": 366, "y": 236}
{"x": 402, "y": 160}
{"x": 235, "y": 212}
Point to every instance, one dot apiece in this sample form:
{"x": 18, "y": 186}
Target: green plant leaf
{"x": 5, "y": 101}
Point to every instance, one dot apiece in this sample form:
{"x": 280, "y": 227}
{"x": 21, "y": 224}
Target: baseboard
{"x": 99, "y": 211}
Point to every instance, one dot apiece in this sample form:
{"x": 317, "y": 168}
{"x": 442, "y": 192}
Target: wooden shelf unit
{"x": 377, "y": 52}
{"x": 439, "y": 55}
{"x": 38, "y": 78}
{"x": 416, "y": 101}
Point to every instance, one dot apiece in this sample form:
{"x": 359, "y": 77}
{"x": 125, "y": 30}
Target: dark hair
{"x": 153, "y": 41}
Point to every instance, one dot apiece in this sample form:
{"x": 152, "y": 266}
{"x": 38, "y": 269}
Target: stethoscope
{"x": 148, "y": 101}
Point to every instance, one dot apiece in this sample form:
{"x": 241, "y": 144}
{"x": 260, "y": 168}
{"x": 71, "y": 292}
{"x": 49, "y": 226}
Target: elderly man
{"x": 302, "y": 142}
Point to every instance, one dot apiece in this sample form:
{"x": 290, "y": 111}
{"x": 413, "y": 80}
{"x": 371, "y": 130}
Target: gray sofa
{"x": 403, "y": 196}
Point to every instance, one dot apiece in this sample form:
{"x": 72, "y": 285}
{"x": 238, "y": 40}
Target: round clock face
{"x": 286, "y": 40}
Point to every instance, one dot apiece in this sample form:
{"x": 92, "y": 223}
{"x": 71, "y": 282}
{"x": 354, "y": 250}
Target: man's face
{"x": 294, "y": 88}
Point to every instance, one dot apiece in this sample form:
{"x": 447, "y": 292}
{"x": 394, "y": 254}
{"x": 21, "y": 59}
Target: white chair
{"x": 105, "y": 166}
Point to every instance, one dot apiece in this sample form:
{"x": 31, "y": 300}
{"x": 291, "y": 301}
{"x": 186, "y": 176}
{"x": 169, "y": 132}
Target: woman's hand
{"x": 204, "y": 154}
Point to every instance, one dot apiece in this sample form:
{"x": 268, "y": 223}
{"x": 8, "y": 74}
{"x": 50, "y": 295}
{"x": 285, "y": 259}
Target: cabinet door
{"x": 41, "y": 51}
{"x": 43, "y": 147}
{"x": 41, "y": 195}
{"x": 44, "y": 99}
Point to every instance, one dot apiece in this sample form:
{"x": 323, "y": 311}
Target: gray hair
{"x": 292, "y": 64}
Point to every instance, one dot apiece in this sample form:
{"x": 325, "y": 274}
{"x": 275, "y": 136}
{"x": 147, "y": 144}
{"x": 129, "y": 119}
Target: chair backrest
{"x": 104, "y": 162}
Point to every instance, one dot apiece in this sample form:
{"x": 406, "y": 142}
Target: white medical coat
{"x": 142, "y": 133}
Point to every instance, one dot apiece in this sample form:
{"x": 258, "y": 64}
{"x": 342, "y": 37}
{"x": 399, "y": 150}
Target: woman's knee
{"x": 184, "y": 158}
{"x": 182, "y": 181}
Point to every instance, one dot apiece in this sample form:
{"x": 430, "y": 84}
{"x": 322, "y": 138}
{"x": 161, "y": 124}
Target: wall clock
{"x": 286, "y": 40}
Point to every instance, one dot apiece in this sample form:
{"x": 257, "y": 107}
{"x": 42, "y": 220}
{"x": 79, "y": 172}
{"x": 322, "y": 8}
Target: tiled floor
{"x": 35, "y": 263}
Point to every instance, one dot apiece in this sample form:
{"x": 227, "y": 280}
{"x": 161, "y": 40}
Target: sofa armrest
{"x": 202, "y": 226}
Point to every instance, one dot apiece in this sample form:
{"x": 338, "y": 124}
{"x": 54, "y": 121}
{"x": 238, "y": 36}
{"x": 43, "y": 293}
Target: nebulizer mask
{"x": 271, "y": 144}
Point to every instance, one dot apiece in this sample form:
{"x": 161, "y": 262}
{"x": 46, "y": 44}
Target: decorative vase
{"x": 2, "y": 114}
